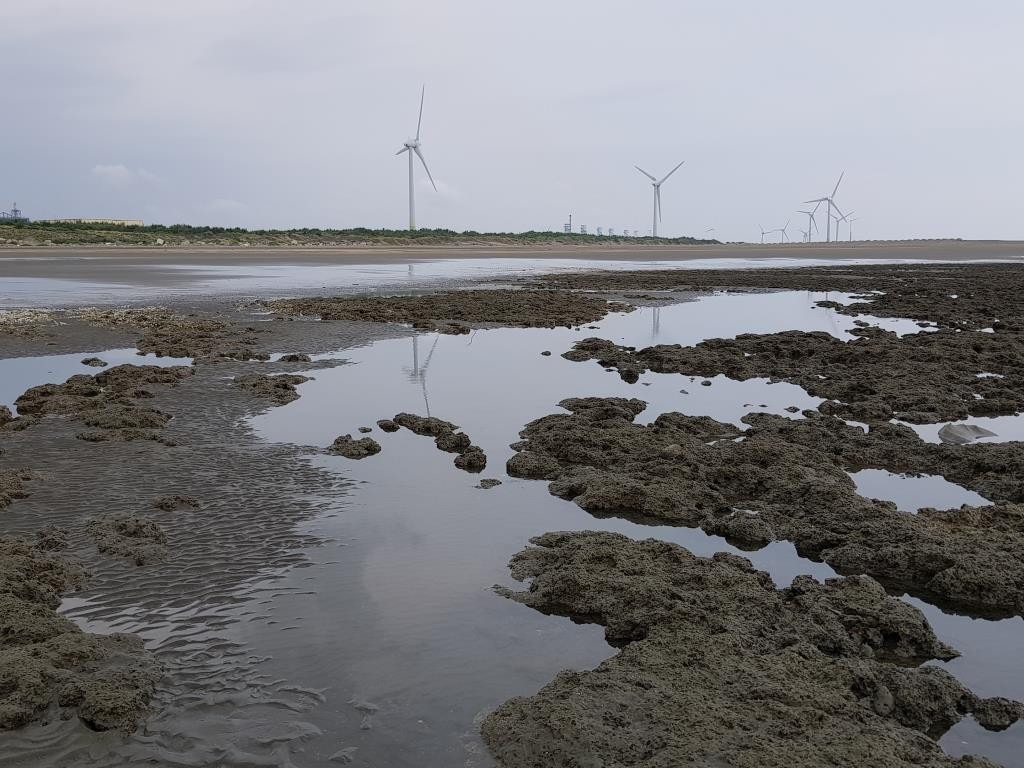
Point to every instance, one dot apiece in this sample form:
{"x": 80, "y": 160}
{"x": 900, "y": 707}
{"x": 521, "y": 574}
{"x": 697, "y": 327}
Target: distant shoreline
{"x": 381, "y": 253}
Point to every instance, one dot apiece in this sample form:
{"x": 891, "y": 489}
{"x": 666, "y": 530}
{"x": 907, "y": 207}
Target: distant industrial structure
{"x": 14, "y": 216}
{"x": 114, "y": 222}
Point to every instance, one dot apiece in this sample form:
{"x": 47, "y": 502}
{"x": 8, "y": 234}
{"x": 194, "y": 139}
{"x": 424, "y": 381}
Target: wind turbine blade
{"x": 837, "y": 184}
{"x": 645, "y": 173}
{"x": 837, "y": 210}
{"x": 403, "y": 149}
{"x": 419, "y": 122}
{"x": 818, "y": 200}
{"x": 420, "y": 156}
{"x": 671, "y": 172}
{"x": 657, "y": 194}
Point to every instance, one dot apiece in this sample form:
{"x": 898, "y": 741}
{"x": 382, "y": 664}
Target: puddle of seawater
{"x": 140, "y": 280}
{"x": 403, "y": 608}
{"x": 911, "y": 493}
{"x": 18, "y": 374}
{"x": 1005, "y": 428}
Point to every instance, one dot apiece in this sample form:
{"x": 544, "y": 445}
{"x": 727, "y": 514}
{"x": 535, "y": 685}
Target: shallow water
{"x": 408, "y": 615}
{"x": 140, "y": 281}
{"x": 20, "y": 373}
{"x": 394, "y": 622}
{"x": 1005, "y": 428}
{"x": 913, "y": 492}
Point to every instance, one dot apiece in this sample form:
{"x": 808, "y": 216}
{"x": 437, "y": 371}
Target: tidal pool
{"x": 393, "y": 629}
{"x": 408, "y": 618}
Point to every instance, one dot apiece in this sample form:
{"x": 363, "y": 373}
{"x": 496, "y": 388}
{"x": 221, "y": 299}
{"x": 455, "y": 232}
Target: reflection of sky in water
{"x": 423, "y": 543}
{"x": 19, "y": 373}
{"x": 910, "y": 493}
{"x": 155, "y": 281}
{"x": 1006, "y": 428}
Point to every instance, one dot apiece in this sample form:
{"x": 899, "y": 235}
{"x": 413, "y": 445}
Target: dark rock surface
{"x": 720, "y": 668}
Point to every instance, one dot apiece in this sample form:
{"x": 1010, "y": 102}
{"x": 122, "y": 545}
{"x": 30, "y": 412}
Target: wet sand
{"x": 205, "y": 580}
{"x": 168, "y": 266}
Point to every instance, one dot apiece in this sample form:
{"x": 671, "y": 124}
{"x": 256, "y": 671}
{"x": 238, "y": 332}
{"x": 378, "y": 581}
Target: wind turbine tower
{"x": 830, "y": 202}
{"x": 812, "y": 225}
{"x": 656, "y": 183}
{"x": 412, "y": 146}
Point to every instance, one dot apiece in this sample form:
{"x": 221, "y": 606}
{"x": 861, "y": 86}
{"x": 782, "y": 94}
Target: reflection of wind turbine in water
{"x": 655, "y": 322}
{"x": 418, "y": 372}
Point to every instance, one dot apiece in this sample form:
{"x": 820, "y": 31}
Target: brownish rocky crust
{"x": 470, "y": 458}
{"x": 106, "y": 401}
{"x": 351, "y": 448}
{"x": 12, "y": 485}
{"x": 171, "y": 503}
{"x": 921, "y": 378}
{"x": 169, "y": 334}
{"x": 48, "y": 666}
{"x": 781, "y": 481}
{"x": 138, "y": 539}
{"x": 295, "y": 358}
{"x": 455, "y": 312}
{"x": 26, "y": 323}
{"x": 94, "y": 362}
{"x": 720, "y": 668}
{"x": 279, "y": 388}
{"x": 987, "y": 295}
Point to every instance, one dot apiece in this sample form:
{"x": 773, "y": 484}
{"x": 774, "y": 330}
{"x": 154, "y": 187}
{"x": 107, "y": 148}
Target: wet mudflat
{"x": 396, "y": 594}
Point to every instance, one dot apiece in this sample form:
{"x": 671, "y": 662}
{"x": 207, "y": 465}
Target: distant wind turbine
{"x": 413, "y": 146}
{"x": 812, "y": 225}
{"x": 850, "y": 222}
{"x": 763, "y": 232}
{"x": 657, "y": 192}
{"x": 839, "y": 219}
{"x": 830, "y": 201}
{"x": 783, "y": 234}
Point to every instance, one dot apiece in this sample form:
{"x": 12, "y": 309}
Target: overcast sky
{"x": 268, "y": 114}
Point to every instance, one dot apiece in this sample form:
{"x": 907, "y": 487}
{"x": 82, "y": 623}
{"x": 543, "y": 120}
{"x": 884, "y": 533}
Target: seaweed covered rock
{"x": 279, "y": 389}
{"x": 46, "y": 662}
{"x": 456, "y": 312}
{"x": 788, "y": 480}
{"x": 137, "y": 539}
{"x": 716, "y": 661}
{"x": 351, "y": 448}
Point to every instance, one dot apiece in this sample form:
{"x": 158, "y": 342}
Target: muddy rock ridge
{"x": 774, "y": 482}
{"x": 48, "y": 666}
{"x": 137, "y": 539}
{"x": 352, "y": 448}
{"x": 470, "y": 458}
{"x": 170, "y": 334}
{"x": 108, "y": 401}
{"x": 718, "y": 667}
{"x": 280, "y": 389}
{"x": 456, "y": 312}
{"x": 920, "y": 378}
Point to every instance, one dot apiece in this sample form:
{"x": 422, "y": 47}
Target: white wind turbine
{"x": 413, "y": 146}
{"x": 784, "y": 232}
{"x": 656, "y": 183}
{"x": 841, "y": 218}
{"x": 849, "y": 221}
{"x": 812, "y": 225}
{"x": 830, "y": 201}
